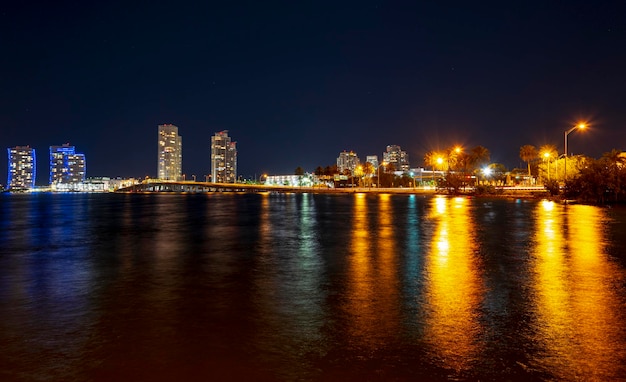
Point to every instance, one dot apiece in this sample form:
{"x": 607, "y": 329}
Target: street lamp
{"x": 487, "y": 171}
{"x": 579, "y": 126}
{"x": 457, "y": 151}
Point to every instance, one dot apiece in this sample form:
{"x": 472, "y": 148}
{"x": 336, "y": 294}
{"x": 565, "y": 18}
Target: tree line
{"x": 587, "y": 179}
{"x": 583, "y": 178}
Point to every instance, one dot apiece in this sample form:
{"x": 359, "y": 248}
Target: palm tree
{"x": 528, "y": 153}
{"x": 479, "y": 157}
{"x": 368, "y": 171}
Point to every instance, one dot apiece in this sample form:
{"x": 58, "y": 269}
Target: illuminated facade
{"x": 170, "y": 165}
{"x": 397, "y": 157}
{"x": 223, "y": 158}
{"x": 66, "y": 166}
{"x": 22, "y": 168}
{"x": 373, "y": 159}
{"x": 306, "y": 180}
{"x": 347, "y": 161}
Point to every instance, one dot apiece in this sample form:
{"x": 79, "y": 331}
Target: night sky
{"x": 297, "y": 82}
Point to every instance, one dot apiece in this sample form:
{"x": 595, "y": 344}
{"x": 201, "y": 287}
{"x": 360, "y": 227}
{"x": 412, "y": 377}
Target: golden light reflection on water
{"x": 373, "y": 296}
{"x": 454, "y": 287}
{"x": 577, "y": 309}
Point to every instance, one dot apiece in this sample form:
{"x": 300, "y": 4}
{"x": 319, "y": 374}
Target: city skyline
{"x": 300, "y": 82}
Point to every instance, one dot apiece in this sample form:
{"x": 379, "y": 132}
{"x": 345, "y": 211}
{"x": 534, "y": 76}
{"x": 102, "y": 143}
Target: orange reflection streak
{"x": 594, "y": 302}
{"x": 265, "y": 227}
{"x": 373, "y": 296}
{"x": 454, "y": 289}
{"x": 576, "y": 307}
{"x": 386, "y": 280}
{"x": 360, "y": 283}
{"x": 553, "y": 311}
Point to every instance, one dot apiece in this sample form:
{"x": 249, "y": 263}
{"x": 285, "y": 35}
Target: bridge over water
{"x": 204, "y": 187}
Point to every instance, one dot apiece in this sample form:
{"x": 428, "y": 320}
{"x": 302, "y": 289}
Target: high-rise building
{"x": 223, "y": 158}
{"x": 347, "y": 160}
{"x": 66, "y": 166}
{"x": 397, "y": 157}
{"x": 373, "y": 159}
{"x": 22, "y": 168}
{"x": 170, "y": 165}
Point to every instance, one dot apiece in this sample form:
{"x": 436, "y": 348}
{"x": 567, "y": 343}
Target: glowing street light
{"x": 578, "y": 126}
{"x": 546, "y": 156}
{"x": 358, "y": 171}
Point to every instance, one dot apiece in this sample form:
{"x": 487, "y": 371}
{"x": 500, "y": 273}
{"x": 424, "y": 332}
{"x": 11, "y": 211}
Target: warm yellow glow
{"x": 439, "y": 160}
{"x": 546, "y": 155}
{"x": 454, "y": 291}
{"x": 582, "y": 126}
{"x": 457, "y": 149}
{"x": 360, "y": 267}
{"x": 576, "y": 306}
{"x": 372, "y": 285}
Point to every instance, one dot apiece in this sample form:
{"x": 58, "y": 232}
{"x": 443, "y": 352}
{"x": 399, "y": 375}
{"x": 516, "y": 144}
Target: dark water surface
{"x": 309, "y": 287}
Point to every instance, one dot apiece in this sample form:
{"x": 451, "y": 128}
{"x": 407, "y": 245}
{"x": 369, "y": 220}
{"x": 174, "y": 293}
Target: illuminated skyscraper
{"x": 66, "y": 166}
{"x": 397, "y": 157}
{"x": 373, "y": 159}
{"x": 347, "y": 161}
{"x": 22, "y": 168}
{"x": 170, "y": 165}
{"x": 223, "y": 158}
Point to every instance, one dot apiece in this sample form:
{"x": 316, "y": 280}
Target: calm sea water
{"x": 309, "y": 287}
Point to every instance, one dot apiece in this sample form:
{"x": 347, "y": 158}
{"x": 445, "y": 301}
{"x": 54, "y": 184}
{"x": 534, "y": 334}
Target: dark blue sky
{"x": 297, "y": 82}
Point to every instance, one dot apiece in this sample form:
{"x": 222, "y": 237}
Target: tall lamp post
{"x": 579, "y": 126}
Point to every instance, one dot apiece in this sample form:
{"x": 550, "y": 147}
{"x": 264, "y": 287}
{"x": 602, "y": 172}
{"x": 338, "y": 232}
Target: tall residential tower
{"x": 66, "y": 166}
{"x": 347, "y": 161}
{"x": 398, "y": 158}
{"x": 170, "y": 165}
{"x": 223, "y": 158}
{"x": 22, "y": 168}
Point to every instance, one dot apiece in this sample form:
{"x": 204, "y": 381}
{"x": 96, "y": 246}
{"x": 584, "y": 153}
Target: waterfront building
{"x": 66, "y": 166}
{"x": 223, "y": 158}
{"x": 347, "y": 160}
{"x": 305, "y": 180}
{"x": 373, "y": 159}
{"x": 397, "y": 157}
{"x": 170, "y": 153}
{"x": 22, "y": 168}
